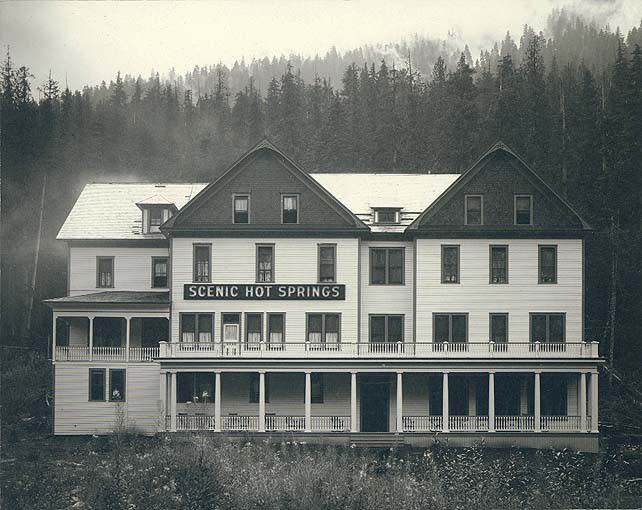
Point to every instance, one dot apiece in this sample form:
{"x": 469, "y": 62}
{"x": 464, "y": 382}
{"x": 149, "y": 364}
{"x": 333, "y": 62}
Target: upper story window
{"x": 197, "y": 327}
{"x": 275, "y": 329}
{"x": 499, "y": 327}
{"x": 450, "y": 327}
{"x": 253, "y": 328}
{"x": 547, "y": 264}
{"x": 498, "y": 264}
{"x": 386, "y": 215}
{"x": 159, "y": 272}
{"x": 386, "y": 266}
{"x": 241, "y": 209}
{"x": 202, "y": 263}
{"x": 265, "y": 263}
{"x": 323, "y": 328}
{"x": 449, "y": 264}
{"x": 290, "y": 209}
{"x": 327, "y": 263}
{"x": 548, "y": 327}
{"x": 104, "y": 272}
{"x": 523, "y": 210}
{"x": 386, "y": 328}
{"x": 474, "y": 209}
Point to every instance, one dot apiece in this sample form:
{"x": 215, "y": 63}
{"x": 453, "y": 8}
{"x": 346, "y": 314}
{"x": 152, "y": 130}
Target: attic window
{"x": 386, "y": 216}
{"x": 155, "y": 217}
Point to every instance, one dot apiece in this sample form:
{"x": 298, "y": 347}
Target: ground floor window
{"x": 196, "y": 387}
{"x": 117, "y": 385}
{"x": 254, "y": 388}
{"x": 97, "y": 384}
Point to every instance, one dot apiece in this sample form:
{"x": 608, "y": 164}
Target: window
{"x": 253, "y": 328}
{"x": 265, "y": 263}
{"x": 386, "y": 266}
{"x": 197, "y": 387}
{"x": 449, "y": 264}
{"x": 450, "y": 327}
{"x": 254, "y": 388}
{"x": 323, "y": 328}
{"x": 498, "y": 264}
{"x": 386, "y": 328}
{"x": 547, "y": 264}
{"x": 202, "y": 258}
{"x": 159, "y": 272}
{"x": 97, "y": 384}
{"x": 386, "y": 215}
{"x": 316, "y": 381}
{"x": 116, "y": 385}
{"x": 474, "y": 209}
{"x": 499, "y": 327}
{"x": 155, "y": 218}
{"x": 276, "y": 329}
{"x": 327, "y": 263}
{"x": 523, "y": 210}
{"x": 231, "y": 328}
{"x": 104, "y": 272}
{"x": 197, "y": 327}
{"x": 241, "y": 209}
{"x": 548, "y": 327}
{"x": 290, "y": 209}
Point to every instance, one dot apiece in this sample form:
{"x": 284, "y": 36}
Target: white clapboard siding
{"x": 132, "y": 268}
{"x": 387, "y": 299}
{"x": 74, "y": 414}
{"x": 522, "y": 295}
{"x": 295, "y": 261}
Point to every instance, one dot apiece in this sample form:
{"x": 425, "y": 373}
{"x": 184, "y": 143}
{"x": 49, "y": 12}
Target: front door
{"x": 375, "y": 403}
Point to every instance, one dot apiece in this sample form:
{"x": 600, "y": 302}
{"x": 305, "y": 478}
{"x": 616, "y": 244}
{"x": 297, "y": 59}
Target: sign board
{"x": 261, "y": 292}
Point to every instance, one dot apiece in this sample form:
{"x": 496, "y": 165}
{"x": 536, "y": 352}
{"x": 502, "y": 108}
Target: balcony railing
{"x": 468, "y": 423}
{"x": 113, "y": 354}
{"x": 422, "y": 423}
{"x": 437, "y": 350}
{"x": 514, "y": 423}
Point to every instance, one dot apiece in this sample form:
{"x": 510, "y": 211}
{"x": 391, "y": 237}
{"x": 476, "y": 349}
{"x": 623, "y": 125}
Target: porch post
{"x": 217, "y": 401}
{"x": 594, "y": 402}
{"x": 399, "y": 401}
{"x": 163, "y": 401}
{"x": 491, "y": 401}
{"x": 353, "y": 401}
{"x": 127, "y": 337}
{"x": 174, "y": 397}
{"x": 91, "y": 337}
{"x": 53, "y": 336}
{"x": 445, "y": 426}
{"x": 307, "y": 427}
{"x": 262, "y": 401}
{"x": 538, "y": 412}
{"x": 582, "y": 401}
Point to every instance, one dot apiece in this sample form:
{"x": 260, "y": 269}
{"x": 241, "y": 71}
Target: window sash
{"x": 450, "y": 327}
{"x": 105, "y": 272}
{"x": 159, "y": 272}
{"x": 499, "y": 327}
{"x": 386, "y": 328}
{"x": 523, "y": 210}
{"x": 96, "y": 384}
{"x": 155, "y": 217}
{"x": 449, "y": 264}
{"x": 548, "y": 327}
{"x": 265, "y": 264}
{"x": 498, "y": 264}
{"x": 327, "y": 263}
{"x": 253, "y": 327}
{"x": 276, "y": 328}
{"x": 242, "y": 209}
{"x": 387, "y": 266}
{"x": 202, "y": 257}
{"x": 323, "y": 328}
{"x": 117, "y": 385}
{"x": 386, "y": 215}
{"x": 197, "y": 327}
{"x": 474, "y": 205}
{"x": 547, "y": 264}
{"x": 290, "y": 209}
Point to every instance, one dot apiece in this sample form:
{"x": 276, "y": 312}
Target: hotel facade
{"x": 365, "y": 308}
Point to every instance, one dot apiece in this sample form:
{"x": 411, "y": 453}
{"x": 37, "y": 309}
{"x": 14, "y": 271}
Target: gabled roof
{"x": 156, "y": 200}
{"x": 476, "y": 168}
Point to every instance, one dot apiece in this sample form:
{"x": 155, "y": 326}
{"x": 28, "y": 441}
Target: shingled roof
{"x": 116, "y": 297}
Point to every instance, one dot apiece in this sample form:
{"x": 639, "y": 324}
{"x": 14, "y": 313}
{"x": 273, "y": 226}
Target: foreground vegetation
{"x": 201, "y": 472}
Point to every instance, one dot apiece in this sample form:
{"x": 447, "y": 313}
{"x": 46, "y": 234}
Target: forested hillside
{"x": 568, "y": 100}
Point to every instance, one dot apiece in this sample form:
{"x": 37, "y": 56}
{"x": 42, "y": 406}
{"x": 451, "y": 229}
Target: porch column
{"x": 594, "y": 402}
{"x": 445, "y": 426}
{"x": 53, "y": 336}
{"x": 173, "y": 397}
{"x": 538, "y": 412}
{"x": 91, "y": 337}
{"x": 163, "y": 401}
{"x": 127, "y": 337}
{"x": 353, "y": 401}
{"x": 262, "y": 401}
{"x": 308, "y": 402}
{"x": 399, "y": 401}
{"x": 217, "y": 401}
{"x": 491, "y": 401}
{"x": 582, "y": 402}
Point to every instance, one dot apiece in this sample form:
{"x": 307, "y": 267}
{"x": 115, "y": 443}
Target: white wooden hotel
{"x": 367, "y": 308}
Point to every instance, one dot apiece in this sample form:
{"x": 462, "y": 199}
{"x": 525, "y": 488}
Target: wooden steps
{"x": 377, "y": 440}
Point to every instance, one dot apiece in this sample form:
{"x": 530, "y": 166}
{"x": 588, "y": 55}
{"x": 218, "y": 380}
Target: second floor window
{"x": 276, "y": 328}
{"x": 264, "y": 263}
{"x": 474, "y": 210}
{"x": 202, "y": 257}
{"x": 523, "y": 210}
{"x": 499, "y": 264}
{"x": 499, "y": 327}
{"x": 386, "y": 328}
{"x": 253, "y": 328}
{"x": 105, "y": 272}
{"x": 159, "y": 272}
{"x": 386, "y": 266}
{"x": 197, "y": 327}
{"x": 548, "y": 327}
{"x": 327, "y": 263}
{"x": 547, "y": 264}
{"x": 241, "y": 209}
{"x": 290, "y": 209}
{"x": 450, "y": 327}
{"x": 323, "y": 328}
{"x": 449, "y": 264}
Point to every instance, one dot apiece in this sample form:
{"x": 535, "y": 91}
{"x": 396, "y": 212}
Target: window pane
{"x": 386, "y": 216}
{"x": 450, "y": 264}
{"x": 188, "y": 327}
{"x": 395, "y": 261}
{"x": 265, "y": 264}
{"x": 201, "y": 263}
{"x": 538, "y": 328}
{"x": 116, "y": 385}
{"x": 290, "y": 209}
{"x": 378, "y": 266}
{"x": 498, "y": 328}
{"x": 547, "y": 264}
{"x": 395, "y": 328}
{"x": 499, "y": 264}
{"x": 160, "y": 273}
{"x": 327, "y": 264}
{"x": 205, "y": 327}
{"x": 556, "y": 328}
{"x": 473, "y": 210}
{"x": 442, "y": 328}
{"x": 96, "y": 384}
{"x": 253, "y": 327}
{"x": 523, "y": 210}
{"x": 331, "y": 328}
{"x": 105, "y": 272}
{"x": 459, "y": 328}
{"x": 378, "y": 329}
{"x": 276, "y": 328}
{"x": 241, "y": 209}
{"x": 315, "y": 328}
{"x": 155, "y": 216}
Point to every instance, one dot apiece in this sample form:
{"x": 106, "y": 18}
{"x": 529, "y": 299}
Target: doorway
{"x": 375, "y": 403}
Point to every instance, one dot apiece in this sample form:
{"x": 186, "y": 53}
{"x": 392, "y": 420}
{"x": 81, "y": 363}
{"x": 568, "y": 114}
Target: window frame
{"x": 124, "y": 393}
{"x": 246, "y": 329}
{"x": 113, "y": 271}
{"x": 181, "y": 317}
{"x": 150, "y": 226}
{"x": 396, "y": 211}
{"x": 323, "y": 326}
{"x": 539, "y": 263}
{"x": 490, "y": 263}
{"x": 209, "y": 262}
{"x": 548, "y": 315}
{"x": 255, "y": 376}
{"x": 256, "y": 254}
{"x": 386, "y": 332}
{"x": 490, "y": 325}
{"x": 387, "y": 249}
{"x": 320, "y": 246}
{"x": 224, "y": 322}
{"x": 235, "y": 196}
{"x": 298, "y": 208}
{"x": 267, "y": 328}
{"x": 154, "y": 260}
{"x": 481, "y": 209}
{"x": 89, "y": 386}
{"x": 523, "y": 195}
{"x": 444, "y": 247}
{"x": 450, "y": 326}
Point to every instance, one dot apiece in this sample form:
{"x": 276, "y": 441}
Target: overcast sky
{"x": 87, "y": 42}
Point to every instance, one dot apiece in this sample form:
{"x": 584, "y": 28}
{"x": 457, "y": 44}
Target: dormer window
{"x": 386, "y": 216}
{"x": 156, "y": 211}
{"x": 155, "y": 219}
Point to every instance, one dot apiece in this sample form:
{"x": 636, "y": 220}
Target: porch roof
{"x": 116, "y": 297}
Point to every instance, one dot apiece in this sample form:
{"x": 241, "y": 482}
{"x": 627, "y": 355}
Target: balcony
{"x": 396, "y": 350}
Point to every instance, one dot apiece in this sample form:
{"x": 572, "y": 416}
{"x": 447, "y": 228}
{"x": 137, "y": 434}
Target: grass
{"x": 203, "y": 472}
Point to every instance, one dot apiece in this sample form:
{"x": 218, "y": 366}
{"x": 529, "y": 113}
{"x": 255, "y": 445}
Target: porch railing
{"x": 284, "y": 423}
{"x": 240, "y": 423}
{"x": 560, "y": 423}
{"x": 118, "y": 354}
{"x": 195, "y": 422}
{"x": 514, "y": 423}
{"x": 422, "y": 423}
{"x": 330, "y": 423}
{"x": 468, "y": 423}
{"x": 143, "y": 353}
